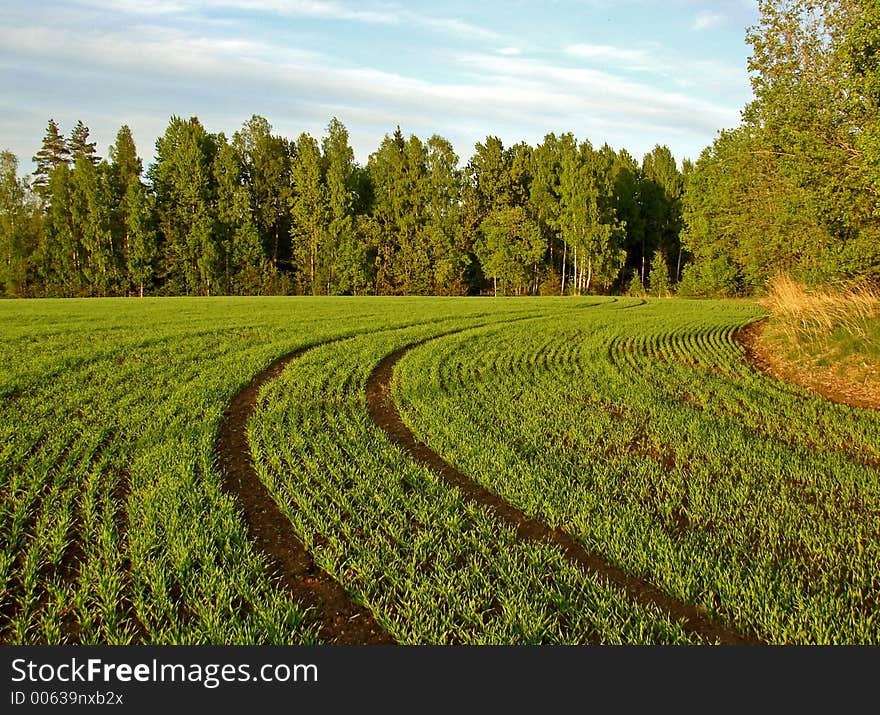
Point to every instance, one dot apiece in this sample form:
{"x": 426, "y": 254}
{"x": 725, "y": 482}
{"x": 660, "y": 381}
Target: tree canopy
{"x": 795, "y": 187}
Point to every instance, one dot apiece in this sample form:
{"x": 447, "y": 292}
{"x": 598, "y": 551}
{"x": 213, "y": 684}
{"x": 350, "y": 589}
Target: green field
{"x": 636, "y": 428}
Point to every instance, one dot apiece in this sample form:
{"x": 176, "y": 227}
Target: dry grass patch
{"x": 826, "y": 340}
{"x": 804, "y": 313}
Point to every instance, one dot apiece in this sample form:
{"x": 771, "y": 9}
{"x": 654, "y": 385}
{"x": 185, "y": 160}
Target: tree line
{"x": 796, "y": 187}
{"x": 262, "y": 214}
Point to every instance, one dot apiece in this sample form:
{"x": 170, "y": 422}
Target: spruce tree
{"x": 124, "y": 160}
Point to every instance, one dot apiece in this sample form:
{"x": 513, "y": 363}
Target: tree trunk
{"x": 141, "y": 290}
{"x": 312, "y": 252}
{"x": 495, "y": 281}
{"x": 589, "y": 274}
{"x": 564, "y": 257}
{"x": 643, "y": 261}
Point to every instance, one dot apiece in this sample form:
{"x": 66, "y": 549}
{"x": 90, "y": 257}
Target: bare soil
{"x": 823, "y": 381}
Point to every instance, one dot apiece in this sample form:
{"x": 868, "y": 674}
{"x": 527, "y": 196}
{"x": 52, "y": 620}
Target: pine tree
{"x": 53, "y": 152}
{"x": 80, "y": 146}
{"x": 61, "y": 252}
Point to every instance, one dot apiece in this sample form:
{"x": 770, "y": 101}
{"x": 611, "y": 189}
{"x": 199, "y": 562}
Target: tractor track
{"x": 384, "y": 412}
{"x": 340, "y": 621}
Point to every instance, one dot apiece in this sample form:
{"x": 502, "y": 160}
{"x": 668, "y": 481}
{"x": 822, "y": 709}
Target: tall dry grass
{"x": 813, "y": 313}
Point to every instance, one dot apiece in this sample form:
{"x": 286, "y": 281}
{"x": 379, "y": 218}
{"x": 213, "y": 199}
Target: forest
{"x": 260, "y": 214}
{"x": 794, "y": 188}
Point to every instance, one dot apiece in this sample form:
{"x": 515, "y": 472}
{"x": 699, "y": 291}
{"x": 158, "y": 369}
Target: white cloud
{"x": 144, "y": 73}
{"x": 614, "y": 56}
{"x": 708, "y": 76}
{"x": 316, "y": 9}
{"x": 596, "y": 93}
{"x": 708, "y": 20}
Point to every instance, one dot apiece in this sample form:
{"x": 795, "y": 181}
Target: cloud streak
{"x": 708, "y": 20}
{"x": 314, "y": 9}
{"x": 491, "y": 89}
{"x": 138, "y": 62}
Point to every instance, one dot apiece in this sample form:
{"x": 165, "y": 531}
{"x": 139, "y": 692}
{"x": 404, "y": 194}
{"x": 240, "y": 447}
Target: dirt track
{"x": 340, "y": 621}
{"x": 384, "y": 412}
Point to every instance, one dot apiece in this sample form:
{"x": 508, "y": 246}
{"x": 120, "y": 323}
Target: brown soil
{"x": 821, "y": 381}
{"x": 384, "y": 412}
{"x": 340, "y": 621}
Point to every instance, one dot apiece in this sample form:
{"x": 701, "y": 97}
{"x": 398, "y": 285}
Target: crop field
{"x": 423, "y": 470}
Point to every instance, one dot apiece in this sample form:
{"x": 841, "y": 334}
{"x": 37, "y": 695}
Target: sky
{"x": 630, "y": 73}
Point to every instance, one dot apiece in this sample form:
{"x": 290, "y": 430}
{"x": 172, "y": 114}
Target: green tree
{"x": 397, "y": 170}
{"x": 544, "y": 202}
{"x": 661, "y": 190}
{"x": 308, "y": 216}
{"x": 124, "y": 160}
{"x": 20, "y": 225}
{"x": 587, "y": 218}
{"x": 742, "y": 208}
{"x": 815, "y": 77}
{"x": 182, "y": 180}
{"x": 442, "y": 234}
{"x": 658, "y": 280}
{"x": 245, "y": 262}
{"x": 510, "y": 246}
{"x": 60, "y": 255}
{"x": 53, "y": 152}
{"x": 266, "y": 170}
{"x": 91, "y": 223}
{"x": 125, "y": 169}
{"x": 635, "y": 287}
{"x": 142, "y": 251}
{"x": 626, "y": 179}
{"x": 346, "y": 254}
{"x": 79, "y": 145}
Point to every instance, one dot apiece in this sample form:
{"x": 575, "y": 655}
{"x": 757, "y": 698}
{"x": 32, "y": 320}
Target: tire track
{"x": 384, "y": 412}
{"x": 340, "y": 620}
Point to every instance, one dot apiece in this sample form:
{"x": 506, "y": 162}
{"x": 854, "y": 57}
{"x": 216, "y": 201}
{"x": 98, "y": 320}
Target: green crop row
{"x": 645, "y": 434}
{"x": 432, "y": 567}
{"x": 639, "y": 429}
{"x": 114, "y": 526}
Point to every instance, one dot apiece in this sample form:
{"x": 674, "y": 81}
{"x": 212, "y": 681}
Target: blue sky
{"x": 633, "y": 73}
